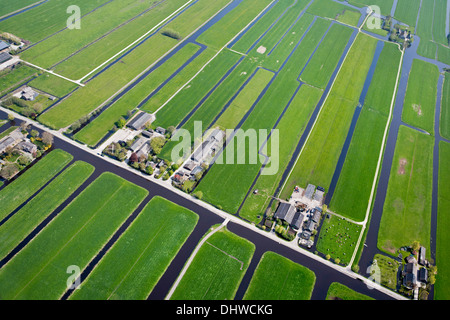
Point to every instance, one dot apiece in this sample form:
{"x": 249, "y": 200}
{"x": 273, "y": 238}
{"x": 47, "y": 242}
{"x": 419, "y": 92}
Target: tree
{"x": 8, "y": 171}
{"x": 157, "y": 144}
{"x": 47, "y": 138}
{"x": 23, "y": 126}
{"x": 34, "y": 133}
{"x": 10, "y": 117}
{"x": 415, "y": 246}
{"x": 121, "y": 123}
{"x": 134, "y": 158}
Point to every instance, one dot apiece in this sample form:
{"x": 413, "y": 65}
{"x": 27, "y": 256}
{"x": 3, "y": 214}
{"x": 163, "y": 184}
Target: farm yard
{"x": 172, "y": 118}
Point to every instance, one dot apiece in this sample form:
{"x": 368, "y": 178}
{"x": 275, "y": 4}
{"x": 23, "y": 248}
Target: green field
{"x": 407, "y": 208}
{"x": 385, "y": 5}
{"x": 420, "y": 100}
{"x": 217, "y": 269}
{"x": 10, "y": 6}
{"x": 334, "y": 10}
{"x": 317, "y": 162}
{"x": 32, "y": 180}
{"x": 407, "y": 11}
{"x": 320, "y": 68}
{"x": 338, "y": 238}
{"x": 291, "y": 127}
{"x": 439, "y": 25}
{"x": 424, "y": 27}
{"x": 338, "y": 291}
{"x": 53, "y": 85}
{"x": 14, "y": 78}
{"x": 443, "y": 223}
{"x": 133, "y": 266}
{"x": 220, "y": 186}
{"x": 290, "y": 282}
{"x": 353, "y": 189}
{"x": 445, "y": 108}
{"x": 38, "y": 208}
{"x": 73, "y": 238}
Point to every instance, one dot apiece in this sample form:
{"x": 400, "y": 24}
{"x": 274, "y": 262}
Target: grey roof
{"x": 3, "y": 45}
{"x": 5, "y": 56}
{"x": 310, "y": 225}
{"x": 285, "y": 212}
{"x": 216, "y": 135}
{"x": 196, "y": 170}
{"x": 140, "y": 120}
{"x": 316, "y": 216}
{"x": 310, "y": 191}
{"x": 6, "y": 143}
{"x": 422, "y": 255}
{"x": 423, "y": 275}
{"x": 27, "y": 146}
{"x": 138, "y": 144}
{"x": 318, "y": 196}
{"x": 297, "y": 220}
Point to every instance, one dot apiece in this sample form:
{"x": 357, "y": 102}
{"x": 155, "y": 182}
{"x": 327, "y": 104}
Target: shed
{"x": 4, "y": 46}
{"x": 5, "y": 56}
{"x": 310, "y": 191}
{"x": 139, "y": 121}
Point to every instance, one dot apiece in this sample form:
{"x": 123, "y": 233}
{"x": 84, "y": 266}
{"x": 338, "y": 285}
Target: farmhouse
{"x": 190, "y": 165}
{"x": 141, "y": 120}
{"x": 13, "y": 139}
{"x": 289, "y": 213}
{"x": 28, "y": 94}
{"x": 27, "y": 146}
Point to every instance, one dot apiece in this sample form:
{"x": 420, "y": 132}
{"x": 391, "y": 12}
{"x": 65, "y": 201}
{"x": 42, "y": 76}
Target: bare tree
{"x": 47, "y": 138}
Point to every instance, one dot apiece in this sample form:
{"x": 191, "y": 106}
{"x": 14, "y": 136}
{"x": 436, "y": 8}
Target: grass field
{"x": 353, "y": 189}
{"x": 220, "y": 186}
{"x": 338, "y": 238}
{"x": 324, "y": 62}
{"x": 439, "y": 24}
{"x": 133, "y": 266}
{"x": 407, "y": 11}
{"x": 420, "y": 100}
{"x": 385, "y": 5}
{"x": 245, "y": 99}
{"x": 424, "y": 27}
{"x": 445, "y": 108}
{"x": 443, "y": 223}
{"x": 427, "y": 49}
{"x": 407, "y": 208}
{"x": 32, "y": 180}
{"x": 37, "y": 209}
{"x": 9, "y": 6}
{"x": 98, "y": 128}
{"x": 316, "y": 164}
{"x": 109, "y": 82}
{"x": 74, "y": 237}
{"x": 12, "y": 79}
{"x": 53, "y": 85}
{"x": 338, "y": 291}
{"x": 334, "y": 10}
{"x": 291, "y": 127}
{"x": 51, "y": 17}
{"x": 217, "y": 269}
{"x": 290, "y": 282}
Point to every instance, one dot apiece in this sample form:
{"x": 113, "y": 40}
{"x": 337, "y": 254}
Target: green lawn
{"x": 445, "y": 108}
{"x": 32, "y": 180}
{"x": 317, "y": 162}
{"x": 133, "y": 266}
{"x": 73, "y": 238}
{"x": 338, "y": 291}
{"x": 38, "y": 208}
{"x": 338, "y": 238}
{"x": 420, "y": 100}
{"x": 278, "y": 278}
{"x": 217, "y": 269}
{"x": 407, "y": 208}
{"x": 443, "y": 224}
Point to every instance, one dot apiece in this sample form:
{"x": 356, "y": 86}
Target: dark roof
{"x": 310, "y": 191}
{"x": 5, "y": 56}
{"x": 410, "y": 280}
{"x": 316, "y": 217}
{"x": 422, "y": 255}
{"x": 297, "y": 220}
{"x": 285, "y": 212}
{"x": 3, "y": 45}
{"x": 140, "y": 120}
{"x": 310, "y": 225}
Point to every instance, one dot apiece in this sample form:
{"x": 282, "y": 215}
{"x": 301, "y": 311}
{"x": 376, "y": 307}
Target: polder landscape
{"x": 315, "y": 160}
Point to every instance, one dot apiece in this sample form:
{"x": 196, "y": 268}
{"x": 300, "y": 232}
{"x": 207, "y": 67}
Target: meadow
{"x": 352, "y": 193}
{"x": 16, "y": 228}
{"x": 132, "y": 267}
{"x": 407, "y": 11}
{"x": 18, "y": 191}
{"x": 407, "y": 207}
{"x": 74, "y": 237}
{"x": 443, "y": 223}
{"x": 385, "y": 5}
{"x": 291, "y": 281}
{"x": 317, "y": 162}
{"x": 445, "y": 108}
{"x": 14, "y": 78}
{"x": 338, "y": 238}
{"x": 217, "y": 269}
{"x": 336, "y": 11}
{"x": 53, "y": 85}
{"x": 338, "y": 291}
{"x": 9, "y": 6}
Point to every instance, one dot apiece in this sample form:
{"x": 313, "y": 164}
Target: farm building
{"x": 141, "y": 120}
{"x": 189, "y": 166}
{"x": 422, "y": 259}
{"x": 5, "y": 56}
{"x": 28, "y": 94}
{"x": 160, "y": 130}
{"x": 4, "y": 46}
{"x": 289, "y": 213}
{"x": 27, "y": 147}
{"x": 138, "y": 144}
{"x": 309, "y": 193}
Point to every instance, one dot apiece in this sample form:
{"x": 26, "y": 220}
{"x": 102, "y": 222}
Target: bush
{"x": 171, "y": 34}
